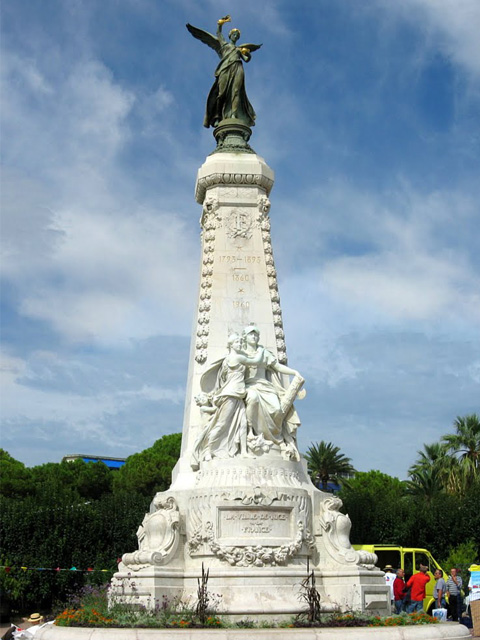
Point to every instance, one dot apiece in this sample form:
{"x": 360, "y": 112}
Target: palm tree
{"x": 326, "y": 463}
{"x": 425, "y": 482}
{"x": 431, "y": 471}
{"x": 435, "y": 466}
{"x": 433, "y": 455}
{"x": 464, "y": 446}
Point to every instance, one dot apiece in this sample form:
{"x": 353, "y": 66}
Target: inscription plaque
{"x": 247, "y": 525}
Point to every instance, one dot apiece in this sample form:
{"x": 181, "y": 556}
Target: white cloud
{"x": 111, "y": 278}
{"x": 407, "y": 389}
{"x": 75, "y": 121}
{"x": 153, "y": 110}
{"x": 404, "y": 286}
{"x": 386, "y": 258}
{"x": 81, "y": 252}
{"x": 27, "y": 234}
{"x": 80, "y": 403}
{"x": 452, "y": 25}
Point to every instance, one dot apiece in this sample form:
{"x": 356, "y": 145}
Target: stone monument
{"x": 241, "y": 502}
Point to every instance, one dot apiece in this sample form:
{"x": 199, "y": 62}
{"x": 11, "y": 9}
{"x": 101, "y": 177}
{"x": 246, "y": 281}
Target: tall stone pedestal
{"x": 244, "y": 506}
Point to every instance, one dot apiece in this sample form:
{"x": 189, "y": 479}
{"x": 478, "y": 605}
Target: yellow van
{"x": 408, "y": 559}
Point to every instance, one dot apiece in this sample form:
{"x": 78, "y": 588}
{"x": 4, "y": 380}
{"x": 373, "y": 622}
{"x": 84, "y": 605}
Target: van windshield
{"x": 422, "y": 558}
{"x": 408, "y": 564}
{"x": 388, "y": 557}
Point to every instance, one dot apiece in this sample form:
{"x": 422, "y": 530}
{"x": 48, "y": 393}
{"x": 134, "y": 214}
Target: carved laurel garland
{"x": 259, "y": 556}
{"x": 209, "y": 223}
{"x": 263, "y": 221}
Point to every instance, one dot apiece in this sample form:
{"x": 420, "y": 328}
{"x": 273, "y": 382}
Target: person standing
{"x": 417, "y": 584}
{"x": 439, "y": 590}
{"x": 399, "y": 591}
{"x": 389, "y": 579}
{"x": 454, "y": 588}
{"x": 474, "y": 595}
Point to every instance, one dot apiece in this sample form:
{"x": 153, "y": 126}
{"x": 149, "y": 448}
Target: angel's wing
{"x": 205, "y": 37}
{"x": 250, "y": 47}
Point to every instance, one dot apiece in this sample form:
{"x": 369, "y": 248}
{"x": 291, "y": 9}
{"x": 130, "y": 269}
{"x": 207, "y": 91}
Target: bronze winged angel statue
{"x": 227, "y": 97}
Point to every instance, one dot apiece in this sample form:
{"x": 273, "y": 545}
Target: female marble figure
{"x": 227, "y": 97}
{"x": 265, "y": 417}
{"x": 225, "y": 430}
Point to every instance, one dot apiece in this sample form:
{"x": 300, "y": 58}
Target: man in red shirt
{"x": 399, "y": 591}
{"x": 417, "y": 584}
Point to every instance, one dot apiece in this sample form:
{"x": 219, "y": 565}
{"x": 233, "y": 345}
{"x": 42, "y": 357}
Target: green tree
{"x": 151, "y": 470}
{"x": 464, "y": 446}
{"x": 93, "y": 479}
{"x": 467, "y": 521}
{"x": 15, "y": 478}
{"x": 461, "y": 557}
{"x": 326, "y": 464}
{"x": 433, "y": 524}
{"x": 73, "y": 480}
{"x": 444, "y": 488}
{"x": 378, "y": 507}
{"x": 431, "y": 473}
{"x": 426, "y": 483}
{"x": 433, "y": 455}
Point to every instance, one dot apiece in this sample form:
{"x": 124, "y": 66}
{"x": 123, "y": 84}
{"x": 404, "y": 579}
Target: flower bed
{"x": 91, "y": 608}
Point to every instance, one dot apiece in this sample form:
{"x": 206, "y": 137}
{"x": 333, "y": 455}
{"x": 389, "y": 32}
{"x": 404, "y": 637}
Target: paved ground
{"x": 25, "y": 625}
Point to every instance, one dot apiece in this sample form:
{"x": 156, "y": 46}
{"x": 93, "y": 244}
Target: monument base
{"x": 256, "y": 525}
{"x": 273, "y": 593}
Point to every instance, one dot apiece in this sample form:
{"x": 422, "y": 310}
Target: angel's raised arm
{"x": 205, "y": 37}
{"x": 220, "y": 24}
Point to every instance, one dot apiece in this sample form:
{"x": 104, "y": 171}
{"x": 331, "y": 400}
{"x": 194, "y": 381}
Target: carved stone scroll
{"x": 157, "y": 536}
{"x": 336, "y": 526}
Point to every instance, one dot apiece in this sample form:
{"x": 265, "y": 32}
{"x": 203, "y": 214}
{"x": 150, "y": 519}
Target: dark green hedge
{"x": 85, "y": 535}
{"x": 73, "y": 515}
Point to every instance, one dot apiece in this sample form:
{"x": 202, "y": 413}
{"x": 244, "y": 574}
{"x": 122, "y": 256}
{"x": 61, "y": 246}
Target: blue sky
{"x": 368, "y": 112}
